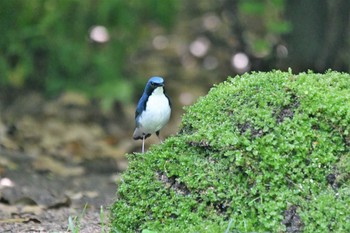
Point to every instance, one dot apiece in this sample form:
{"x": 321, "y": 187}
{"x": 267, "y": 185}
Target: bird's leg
{"x": 143, "y": 144}
{"x": 157, "y": 133}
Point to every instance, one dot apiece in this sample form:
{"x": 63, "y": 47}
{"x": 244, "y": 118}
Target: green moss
{"x": 263, "y": 151}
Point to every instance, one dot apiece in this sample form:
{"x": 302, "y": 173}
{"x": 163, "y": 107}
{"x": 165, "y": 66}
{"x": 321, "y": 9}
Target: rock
{"x": 251, "y": 156}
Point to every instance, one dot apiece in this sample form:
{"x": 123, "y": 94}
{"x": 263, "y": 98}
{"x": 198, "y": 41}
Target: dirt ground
{"x": 59, "y": 159}
{"x": 33, "y": 201}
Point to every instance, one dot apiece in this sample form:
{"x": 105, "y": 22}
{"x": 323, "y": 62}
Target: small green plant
{"x": 74, "y": 222}
{"x": 102, "y": 219}
{"x": 262, "y": 152}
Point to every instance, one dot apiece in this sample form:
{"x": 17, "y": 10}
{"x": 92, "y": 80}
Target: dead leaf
{"x": 8, "y": 209}
{"x": 34, "y": 209}
{"x": 4, "y": 162}
{"x": 73, "y": 98}
{"x": 15, "y": 220}
{"x": 65, "y": 202}
{"x": 44, "y": 163}
{"x": 91, "y": 194}
{"x": 74, "y": 195}
{"x": 26, "y": 201}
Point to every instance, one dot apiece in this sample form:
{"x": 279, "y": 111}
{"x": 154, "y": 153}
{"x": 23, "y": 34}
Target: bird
{"x": 153, "y": 110}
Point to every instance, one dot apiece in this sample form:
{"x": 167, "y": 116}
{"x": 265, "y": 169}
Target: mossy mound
{"x": 261, "y": 152}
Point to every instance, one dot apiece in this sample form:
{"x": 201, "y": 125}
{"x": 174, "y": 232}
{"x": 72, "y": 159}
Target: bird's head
{"x": 153, "y": 83}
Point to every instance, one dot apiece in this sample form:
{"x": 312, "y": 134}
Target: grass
{"x": 74, "y": 222}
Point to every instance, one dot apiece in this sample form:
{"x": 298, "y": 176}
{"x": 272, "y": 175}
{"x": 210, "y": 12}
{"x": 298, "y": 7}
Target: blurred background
{"x": 72, "y": 71}
{"x": 107, "y": 50}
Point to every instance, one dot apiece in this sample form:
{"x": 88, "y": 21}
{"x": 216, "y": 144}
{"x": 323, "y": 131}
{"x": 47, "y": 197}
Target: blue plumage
{"x": 153, "y": 110}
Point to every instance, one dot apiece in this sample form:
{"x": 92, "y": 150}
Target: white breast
{"x": 157, "y": 113}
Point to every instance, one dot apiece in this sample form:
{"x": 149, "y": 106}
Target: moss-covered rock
{"x": 261, "y": 152}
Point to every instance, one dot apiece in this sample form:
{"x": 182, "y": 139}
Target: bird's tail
{"x": 138, "y": 134}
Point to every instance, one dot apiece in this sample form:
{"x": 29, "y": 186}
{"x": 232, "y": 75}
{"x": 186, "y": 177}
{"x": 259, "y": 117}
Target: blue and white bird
{"x": 153, "y": 110}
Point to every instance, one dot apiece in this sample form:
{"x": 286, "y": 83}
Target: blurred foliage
{"x": 45, "y": 44}
{"x": 263, "y": 22}
{"x": 302, "y": 34}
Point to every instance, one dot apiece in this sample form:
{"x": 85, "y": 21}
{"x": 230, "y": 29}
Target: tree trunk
{"x": 308, "y": 19}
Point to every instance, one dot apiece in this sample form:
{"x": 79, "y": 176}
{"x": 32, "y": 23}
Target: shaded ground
{"x": 42, "y": 202}
{"x": 57, "y": 158}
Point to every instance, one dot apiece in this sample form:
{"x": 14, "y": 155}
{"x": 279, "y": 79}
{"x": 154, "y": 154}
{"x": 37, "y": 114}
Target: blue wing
{"x": 141, "y": 106}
